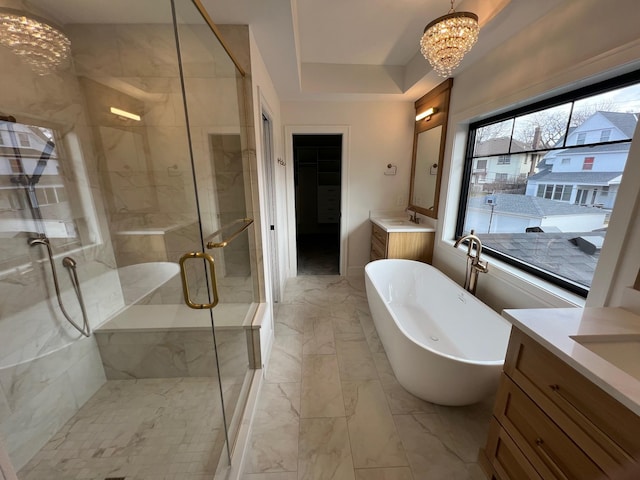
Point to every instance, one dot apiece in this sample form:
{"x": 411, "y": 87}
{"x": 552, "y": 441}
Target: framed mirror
{"x": 428, "y": 149}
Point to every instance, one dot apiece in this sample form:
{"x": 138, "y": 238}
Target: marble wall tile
{"x": 199, "y": 51}
{"x": 238, "y": 37}
{"x": 427, "y": 454}
{"x": 274, "y": 438}
{"x": 399, "y": 473}
{"x": 374, "y": 439}
{"x": 355, "y": 360}
{"x": 86, "y": 375}
{"x": 325, "y": 452}
{"x": 189, "y": 353}
{"x": 147, "y": 50}
{"x": 25, "y": 380}
{"x": 5, "y": 410}
{"x": 200, "y": 360}
{"x": 145, "y": 361}
{"x": 321, "y": 390}
{"x": 94, "y": 51}
{"x": 39, "y": 418}
{"x": 212, "y": 101}
{"x": 233, "y": 356}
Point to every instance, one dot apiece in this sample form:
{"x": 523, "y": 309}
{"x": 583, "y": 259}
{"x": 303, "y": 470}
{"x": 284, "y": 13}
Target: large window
{"x": 550, "y": 211}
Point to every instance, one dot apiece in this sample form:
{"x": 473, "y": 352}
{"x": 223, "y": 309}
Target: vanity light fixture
{"x": 37, "y": 41}
{"x": 125, "y": 114}
{"x": 426, "y": 114}
{"x": 447, "y": 39}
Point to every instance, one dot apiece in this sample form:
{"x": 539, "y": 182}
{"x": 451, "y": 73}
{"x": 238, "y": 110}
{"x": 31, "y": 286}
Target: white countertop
{"x": 400, "y": 224}
{"x": 554, "y": 328}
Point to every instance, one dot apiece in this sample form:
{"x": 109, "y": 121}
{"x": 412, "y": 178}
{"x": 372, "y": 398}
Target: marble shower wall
{"x": 46, "y": 370}
{"x": 146, "y": 165}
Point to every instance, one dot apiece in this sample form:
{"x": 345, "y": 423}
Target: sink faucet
{"x": 474, "y": 264}
{"x": 413, "y": 218}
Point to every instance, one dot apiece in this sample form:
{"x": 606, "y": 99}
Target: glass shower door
{"x": 215, "y": 103}
{"x": 147, "y": 165}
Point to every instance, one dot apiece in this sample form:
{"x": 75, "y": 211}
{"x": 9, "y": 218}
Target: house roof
{"x": 626, "y": 122}
{"x": 554, "y": 252}
{"x": 498, "y": 146}
{"x": 612, "y": 147}
{"x": 585, "y": 178}
{"x": 530, "y": 206}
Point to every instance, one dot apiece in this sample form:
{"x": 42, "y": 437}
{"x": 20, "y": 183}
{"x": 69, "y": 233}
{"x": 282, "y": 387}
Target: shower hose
{"x": 70, "y": 264}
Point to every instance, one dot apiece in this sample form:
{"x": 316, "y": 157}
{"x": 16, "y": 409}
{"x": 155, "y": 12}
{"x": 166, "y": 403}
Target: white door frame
{"x": 290, "y": 131}
{"x": 267, "y": 141}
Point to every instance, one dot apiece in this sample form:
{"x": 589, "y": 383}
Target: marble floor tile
{"x": 355, "y": 360}
{"x": 318, "y": 337}
{"x": 137, "y": 429}
{"x": 383, "y": 432}
{"x": 398, "y": 473}
{"x": 285, "y": 364}
{"x": 325, "y": 452}
{"x": 427, "y": 453}
{"x": 321, "y": 390}
{"x": 290, "y": 319}
{"x": 400, "y": 401}
{"x": 370, "y": 332}
{"x": 273, "y": 446}
{"x": 374, "y": 439}
{"x": 271, "y": 476}
{"x": 463, "y": 429}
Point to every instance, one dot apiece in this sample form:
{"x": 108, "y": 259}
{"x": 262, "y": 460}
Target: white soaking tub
{"x": 444, "y": 345}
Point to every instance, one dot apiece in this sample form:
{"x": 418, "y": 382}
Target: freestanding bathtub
{"x": 444, "y": 345}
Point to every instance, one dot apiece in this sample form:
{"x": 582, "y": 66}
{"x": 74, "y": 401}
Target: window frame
{"x": 587, "y": 164}
{"x": 576, "y": 95}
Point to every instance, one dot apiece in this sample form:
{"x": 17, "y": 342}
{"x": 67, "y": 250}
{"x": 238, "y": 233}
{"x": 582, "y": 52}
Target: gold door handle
{"x": 185, "y": 282}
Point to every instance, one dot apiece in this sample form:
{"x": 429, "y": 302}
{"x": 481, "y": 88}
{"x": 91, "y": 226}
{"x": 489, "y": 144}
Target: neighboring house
{"x": 25, "y": 185}
{"x": 515, "y": 213}
{"x": 587, "y": 175}
{"x": 570, "y": 255}
{"x": 507, "y": 169}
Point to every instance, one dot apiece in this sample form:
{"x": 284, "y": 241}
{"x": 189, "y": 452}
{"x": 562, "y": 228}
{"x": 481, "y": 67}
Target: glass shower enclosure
{"x": 125, "y": 195}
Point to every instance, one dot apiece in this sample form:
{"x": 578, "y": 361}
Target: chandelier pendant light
{"x": 40, "y": 44}
{"x": 447, "y": 39}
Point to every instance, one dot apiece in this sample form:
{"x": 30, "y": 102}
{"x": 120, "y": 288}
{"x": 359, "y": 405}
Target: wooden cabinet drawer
{"x": 378, "y": 250}
{"x": 587, "y": 413}
{"x": 379, "y": 234}
{"x": 551, "y": 452}
{"x": 506, "y": 460}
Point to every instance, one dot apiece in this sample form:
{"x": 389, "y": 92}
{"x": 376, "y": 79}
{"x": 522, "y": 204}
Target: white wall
{"x": 553, "y": 55}
{"x": 264, "y": 94}
{"x": 380, "y": 133}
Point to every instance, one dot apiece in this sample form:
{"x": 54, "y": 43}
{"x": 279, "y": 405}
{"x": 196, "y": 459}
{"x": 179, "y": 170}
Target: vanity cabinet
{"x": 407, "y": 245}
{"x": 551, "y": 422}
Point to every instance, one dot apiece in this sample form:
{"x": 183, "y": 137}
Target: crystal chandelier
{"x": 41, "y": 45}
{"x": 447, "y": 39}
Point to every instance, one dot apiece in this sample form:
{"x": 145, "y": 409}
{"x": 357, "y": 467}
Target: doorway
{"x": 317, "y": 180}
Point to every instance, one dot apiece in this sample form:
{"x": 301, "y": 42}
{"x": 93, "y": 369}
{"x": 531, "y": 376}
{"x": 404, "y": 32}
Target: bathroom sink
{"x": 623, "y": 351}
{"x": 399, "y": 222}
{"x": 396, "y": 221}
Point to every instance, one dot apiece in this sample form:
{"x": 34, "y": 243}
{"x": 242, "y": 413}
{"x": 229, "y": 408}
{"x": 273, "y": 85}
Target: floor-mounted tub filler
{"x": 445, "y": 345}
